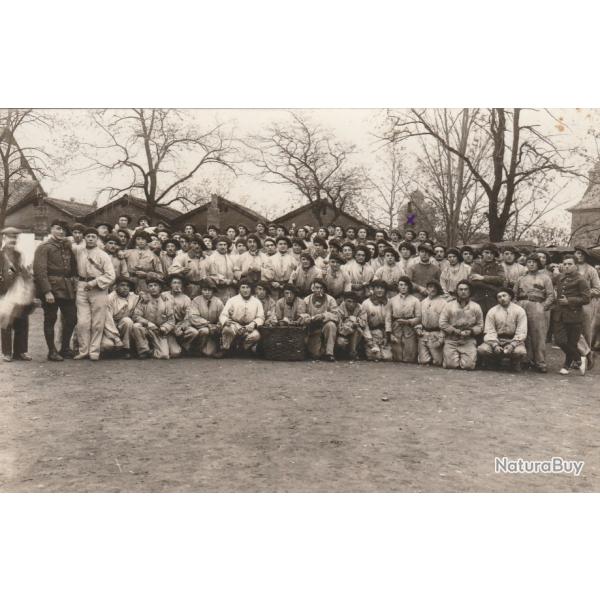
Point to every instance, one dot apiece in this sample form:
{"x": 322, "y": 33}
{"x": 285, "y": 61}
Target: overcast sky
{"x": 349, "y": 125}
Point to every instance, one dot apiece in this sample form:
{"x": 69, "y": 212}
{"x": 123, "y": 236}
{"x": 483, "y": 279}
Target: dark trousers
{"x": 15, "y": 338}
{"x": 566, "y": 336}
{"x": 69, "y": 319}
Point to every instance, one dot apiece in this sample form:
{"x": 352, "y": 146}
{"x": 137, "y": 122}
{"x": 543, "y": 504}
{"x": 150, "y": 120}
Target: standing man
{"x": 423, "y": 271}
{"x": 461, "y": 320}
{"x": 192, "y": 265}
{"x": 505, "y": 331}
{"x": 359, "y": 271}
{"x": 15, "y": 335}
{"x": 220, "y": 268}
{"x": 590, "y": 310}
{"x": 279, "y": 268}
{"x": 512, "y": 269}
{"x": 112, "y": 247}
{"x": 96, "y": 274}
{"x": 54, "y": 270}
{"x": 455, "y": 271}
{"x": 241, "y": 317}
{"x": 486, "y": 278}
{"x": 535, "y": 293}
{"x": 142, "y": 263}
{"x": 336, "y": 279}
{"x": 572, "y": 293}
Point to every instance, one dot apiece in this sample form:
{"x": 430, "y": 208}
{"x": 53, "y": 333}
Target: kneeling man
{"x": 202, "y": 329}
{"x": 505, "y": 331}
{"x": 118, "y": 325}
{"x": 241, "y": 317}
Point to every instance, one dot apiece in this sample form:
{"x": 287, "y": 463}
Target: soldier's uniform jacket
{"x": 484, "y": 291}
{"x": 577, "y": 291}
{"x": 54, "y": 268}
{"x": 157, "y": 310}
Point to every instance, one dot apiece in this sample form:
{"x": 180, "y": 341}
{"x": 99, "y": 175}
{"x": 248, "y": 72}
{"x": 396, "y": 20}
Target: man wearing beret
{"x": 352, "y": 321}
{"x": 486, "y": 278}
{"x": 154, "y": 322}
{"x": 456, "y": 270}
{"x": 375, "y": 306}
{"x": 304, "y": 274}
{"x": 95, "y": 275}
{"x": 391, "y": 271}
{"x": 241, "y": 317}
{"x": 118, "y": 325}
{"x": 512, "y": 269}
{"x": 15, "y": 335}
{"x": 430, "y": 336}
{"x": 359, "y": 271}
{"x": 322, "y": 327}
{"x": 192, "y": 265}
{"x": 279, "y": 268}
{"x": 112, "y": 246}
{"x": 505, "y": 331}
{"x": 250, "y": 263}
{"x": 220, "y": 267}
{"x": 142, "y": 263}
{"x": 202, "y": 330}
{"x": 54, "y": 273}
{"x": 461, "y": 320}
{"x": 181, "y": 303}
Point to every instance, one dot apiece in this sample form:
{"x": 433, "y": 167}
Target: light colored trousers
{"x": 348, "y": 343}
{"x": 162, "y": 346}
{"x": 233, "y": 331}
{"x": 460, "y": 354}
{"x": 91, "y": 314}
{"x": 405, "y": 349}
{"x": 380, "y": 350}
{"x": 200, "y": 339}
{"x": 125, "y": 327}
{"x": 322, "y": 340}
{"x": 431, "y": 348}
{"x": 590, "y": 314}
{"x": 538, "y": 321}
{"x": 517, "y": 355}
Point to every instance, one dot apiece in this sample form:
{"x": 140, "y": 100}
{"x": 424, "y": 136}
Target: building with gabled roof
{"x": 585, "y": 215}
{"x": 221, "y": 213}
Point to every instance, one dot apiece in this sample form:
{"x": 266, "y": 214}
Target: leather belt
{"x": 86, "y": 278}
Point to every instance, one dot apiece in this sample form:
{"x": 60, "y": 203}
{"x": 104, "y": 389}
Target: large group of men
{"x": 149, "y": 292}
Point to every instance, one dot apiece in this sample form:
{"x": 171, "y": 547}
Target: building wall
{"x": 223, "y": 218}
{"x": 35, "y": 219}
{"x": 327, "y": 215}
{"x": 585, "y": 227}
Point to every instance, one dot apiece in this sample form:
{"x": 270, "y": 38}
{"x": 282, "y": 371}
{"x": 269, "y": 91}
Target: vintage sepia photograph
{"x": 299, "y": 300}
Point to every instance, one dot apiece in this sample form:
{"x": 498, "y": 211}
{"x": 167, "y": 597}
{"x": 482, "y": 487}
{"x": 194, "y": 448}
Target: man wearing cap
{"x": 171, "y": 248}
{"x": 403, "y": 314}
{"x": 429, "y": 335}
{"x": 15, "y": 334}
{"x": 322, "y": 327}
{"x": 95, "y": 276}
{"x": 54, "y": 270}
{"x": 352, "y": 321}
{"x": 262, "y": 290}
{"x": 304, "y": 274}
{"x": 512, "y": 269}
{"x": 407, "y": 255}
{"x": 192, "y": 265}
{"x": 486, "y": 278}
{"x": 154, "y": 322}
{"x": 220, "y": 268}
{"x": 290, "y": 309}
{"x": 123, "y": 224}
{"x": 202, "y": 328}
{"x": 375, "y": 307}
{"x": 249, "y": 264}
{"x": 103, "y": 230}
{"x": 456, "y": 270}
{"x": 535, "y": 293}
{"x": 572, "y": 294}
{"x": 77, "y": 230}
{"x": 590, "y": 311}
{"x": 461, "y": 320}
{"x": 241, "y": 317}
{"x": 505, "y": 331}
{"x": 112, "y": 247}
{"x": 439, "y": 253}
{"x": 181, "y": 303}
{"x": 423, "y": 271}
{"x": 118, "y": 325}
{"x": 360, "y": 272}
{"x": 468, "y": 255}
{"x": 319, "y": 251}
{"x": 391, "y": 271}
{"x": 142, "y": 263}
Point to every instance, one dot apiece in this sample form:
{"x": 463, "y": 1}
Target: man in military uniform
{"x": 54, "y": 270}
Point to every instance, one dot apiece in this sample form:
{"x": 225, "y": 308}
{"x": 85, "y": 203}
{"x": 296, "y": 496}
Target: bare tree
{"x": 385, "y": 186}
{"x": 160, "y": 152}
{"x": 20, "y": 163}
{"x": 308, "y": 160}
{"x": 518, "y": 153}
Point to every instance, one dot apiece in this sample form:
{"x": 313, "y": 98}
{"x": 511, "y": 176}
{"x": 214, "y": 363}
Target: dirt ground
{"x": 200, "y": 425}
